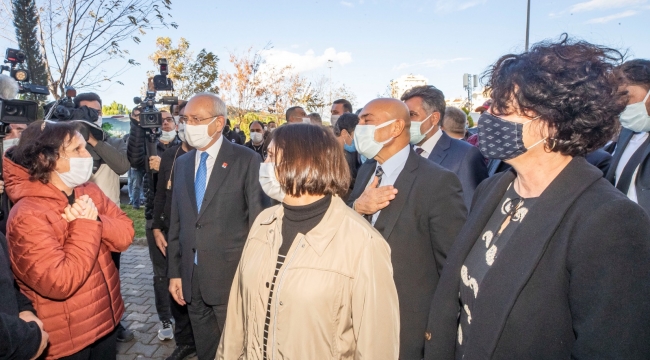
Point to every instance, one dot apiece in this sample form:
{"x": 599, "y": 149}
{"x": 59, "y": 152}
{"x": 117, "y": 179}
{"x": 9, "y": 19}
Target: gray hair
{"x": 219, "y": 107}
{"x": 455, "y": 120}
{"x": 8, "y": 87}
{"x": 433, "y": 100}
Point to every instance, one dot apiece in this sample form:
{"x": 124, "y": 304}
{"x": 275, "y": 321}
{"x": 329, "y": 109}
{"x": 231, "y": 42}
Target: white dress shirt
{"x": 428, "y": 145}
{"x": 636, "y": 141}
{"x": 392, "y": 168}
{"x": 212, "y": 151}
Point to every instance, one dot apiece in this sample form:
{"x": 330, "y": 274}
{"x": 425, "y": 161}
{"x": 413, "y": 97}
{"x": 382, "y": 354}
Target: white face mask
{"x": 334, "y": 119}
{"x": 176, "y": 118}
{"x": 306, "y": 120}
{"x": 7, "y": 143}
{"x": 270, "y": 183}
{"x": 416, "y": 135}
{"x": 635, "y": 116}
{"x": 256, "y": 137}
{"x": 168, "y": 136}
{"x": 181, "y": 132}
{"x": 364, "y": 139}
{"x": 80, "y": 171}
{"x": 197, "y": 135}
{"x": 99, "y": 121}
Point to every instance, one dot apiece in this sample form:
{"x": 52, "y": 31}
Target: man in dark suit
{"x": 426, "y": 106}
{"x": 414, "y": 203}
{"x": 216, "y": 198}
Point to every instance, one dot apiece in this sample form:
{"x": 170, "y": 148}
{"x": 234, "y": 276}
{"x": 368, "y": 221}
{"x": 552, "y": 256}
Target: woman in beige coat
{"x": 315, "y": 280}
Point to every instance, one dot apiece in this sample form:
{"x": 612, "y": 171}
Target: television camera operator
{"x": 152, "y": 133}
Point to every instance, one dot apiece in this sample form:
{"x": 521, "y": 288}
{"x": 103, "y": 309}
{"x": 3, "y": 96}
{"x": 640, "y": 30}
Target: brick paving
{"x": 136, "y": 274}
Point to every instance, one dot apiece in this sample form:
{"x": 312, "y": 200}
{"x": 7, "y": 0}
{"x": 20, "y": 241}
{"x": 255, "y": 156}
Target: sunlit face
{"x": 168, "y": 121}
{"x": 72, "y": 148}
{"x": 636, "y": 94}
{"x": 418, "y": 113}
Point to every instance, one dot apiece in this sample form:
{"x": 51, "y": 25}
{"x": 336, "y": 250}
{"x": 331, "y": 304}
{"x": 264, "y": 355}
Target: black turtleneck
{"x": 301, "y": 220}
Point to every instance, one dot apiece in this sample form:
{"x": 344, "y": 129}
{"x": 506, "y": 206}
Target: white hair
{"x": 8, "y": 87}
{"x": 219, "y": 107}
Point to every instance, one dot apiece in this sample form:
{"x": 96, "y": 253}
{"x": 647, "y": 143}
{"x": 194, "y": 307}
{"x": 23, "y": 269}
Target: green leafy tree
{"x": 191, "y": 75}
{"x": 25, "y": 23}
{"x": 115, "y": 109}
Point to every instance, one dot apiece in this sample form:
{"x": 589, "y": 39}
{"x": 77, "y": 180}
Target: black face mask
{"x": 500, "y": 139}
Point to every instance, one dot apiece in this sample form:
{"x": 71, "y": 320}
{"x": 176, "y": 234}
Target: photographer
{"x": 8, "y": 91}
{"x": 137, "y": 155}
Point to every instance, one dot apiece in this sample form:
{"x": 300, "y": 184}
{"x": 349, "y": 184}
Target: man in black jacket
{"x": 415, "y": 204}
{"x": 21, "y": 332}
{"x": 217, "y": 196}
{"x": 257, "y": 139}
{"x": 138, "y": 157}
{"x": 162, "y": 205}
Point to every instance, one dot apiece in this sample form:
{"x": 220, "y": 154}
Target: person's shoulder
{"x": 358, "y": 232}
{"x": 242, "y": 151}
{"x": 171, "y": 151}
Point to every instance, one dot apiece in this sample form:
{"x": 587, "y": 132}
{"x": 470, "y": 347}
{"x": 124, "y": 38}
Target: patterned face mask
{"x": 501, "y": 139}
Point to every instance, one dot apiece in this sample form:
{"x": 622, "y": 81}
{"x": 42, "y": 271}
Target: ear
{"x": 435, "y": 118}
{"x": 398, "y": 127}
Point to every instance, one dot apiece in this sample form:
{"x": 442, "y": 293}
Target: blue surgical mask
{"x": 349, "y": 148}
{"x": 416, "y": 135}
{"x": 635, "y": 116}
{"x": 501, "y": 139}
{"x": 364, "y": 139}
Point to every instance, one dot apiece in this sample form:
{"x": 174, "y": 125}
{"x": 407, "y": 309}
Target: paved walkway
{"x": 140, "y": 316}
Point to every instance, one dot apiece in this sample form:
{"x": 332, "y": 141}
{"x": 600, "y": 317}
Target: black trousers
{"x": 102, "y": 349}
{"x": 166, "y": 307}
{"x": 207, "y": 321}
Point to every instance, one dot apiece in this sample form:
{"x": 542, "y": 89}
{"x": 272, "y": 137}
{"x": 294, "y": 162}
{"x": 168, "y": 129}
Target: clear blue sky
{"x": 375, "y": 41}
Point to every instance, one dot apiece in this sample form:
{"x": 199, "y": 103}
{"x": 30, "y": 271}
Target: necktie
{"x": 379, "y": 173}
{"x": 419, "y": 150}
{"x": 200, "y": 180}
{"x": 626, "y": 180}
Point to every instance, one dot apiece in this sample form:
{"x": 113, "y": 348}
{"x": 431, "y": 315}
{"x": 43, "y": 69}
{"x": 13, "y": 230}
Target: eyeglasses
{"x": 193, "y": 120}
{"x": 169, "y": 119}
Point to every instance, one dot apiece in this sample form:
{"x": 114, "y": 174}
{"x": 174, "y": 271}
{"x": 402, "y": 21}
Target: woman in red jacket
{"x": 61, "y": 232}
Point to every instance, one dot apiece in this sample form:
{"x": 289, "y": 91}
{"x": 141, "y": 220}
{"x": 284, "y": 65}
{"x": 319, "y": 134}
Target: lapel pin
{"x": 225, "y": 165}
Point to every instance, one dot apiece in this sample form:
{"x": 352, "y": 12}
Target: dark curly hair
{"x": 39, "y": 145}
{"x": 570, "y": 84}
{"x": 635, "y": 72}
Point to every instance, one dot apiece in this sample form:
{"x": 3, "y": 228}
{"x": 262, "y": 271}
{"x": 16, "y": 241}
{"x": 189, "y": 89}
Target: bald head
{"x": 207, "y": 109}
{"x": 210, "y": 103}
{"x": 396, "y": 134}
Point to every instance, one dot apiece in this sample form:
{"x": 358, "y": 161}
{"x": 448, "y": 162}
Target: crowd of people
{"x": 394, "y": 233}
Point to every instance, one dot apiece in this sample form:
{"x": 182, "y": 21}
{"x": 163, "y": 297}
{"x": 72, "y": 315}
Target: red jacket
{"x": 66, "y": 269}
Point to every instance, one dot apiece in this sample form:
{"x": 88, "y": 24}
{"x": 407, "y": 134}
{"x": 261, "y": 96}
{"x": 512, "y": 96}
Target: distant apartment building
{"x": 404, "y": 83}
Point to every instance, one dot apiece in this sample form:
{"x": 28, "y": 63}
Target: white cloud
{"x": 456, "y": 5}
{"x": 348, "y": 4}
{"x": 592, "y": 5}
{"x": 432, "y": 63}
{"x": 307, "y": 61}
{"x": 295, "y": 46}
{"x": 606, "y": 19}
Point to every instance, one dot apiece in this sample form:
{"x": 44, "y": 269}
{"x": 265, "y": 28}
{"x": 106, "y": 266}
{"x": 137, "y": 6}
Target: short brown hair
{"x": 38, "y": 149}
{"x": 311, "y": 161}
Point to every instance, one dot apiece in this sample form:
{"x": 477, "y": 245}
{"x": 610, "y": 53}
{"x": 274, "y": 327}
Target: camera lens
{"x": 151, "y": 119}
{"x": 13, "y": 110}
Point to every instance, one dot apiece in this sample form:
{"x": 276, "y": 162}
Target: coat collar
{"x": 320, "y": 236}
{"x": 388, "y": 216}
{"x": 505, "y": 280}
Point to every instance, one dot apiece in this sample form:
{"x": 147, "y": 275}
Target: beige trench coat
{"x": 334, "y": 296}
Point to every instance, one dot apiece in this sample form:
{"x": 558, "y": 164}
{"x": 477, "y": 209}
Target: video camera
{"x": 150, "y": 116}
{"x": 64, "y": 109}
{"x": 15, "y": 57}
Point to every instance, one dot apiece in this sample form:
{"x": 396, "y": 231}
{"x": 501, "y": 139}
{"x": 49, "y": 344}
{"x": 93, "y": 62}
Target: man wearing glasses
{"x": 215, "y": 199}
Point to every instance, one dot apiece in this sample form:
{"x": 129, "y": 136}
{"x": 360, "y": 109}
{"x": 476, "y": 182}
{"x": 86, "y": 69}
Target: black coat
{"x": 137, "y": 155}
{"x": 572, "y": 281}
{"x": 217, "y": 231}
{"x": 354, "y": 163}
{"x": 642, "y": 180}
{"x": 162, "y": 204}
{"x": 18, "y": 339}
{"x": 420, "y": 225}
{"x": 464, "y": 160}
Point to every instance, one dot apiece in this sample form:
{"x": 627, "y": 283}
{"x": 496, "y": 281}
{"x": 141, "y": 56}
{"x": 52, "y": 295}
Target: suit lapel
{"x": 623, "y": 140}
{"x": 222, "y": 165}
{"x": 404, "y": 183}
{"x": 189, "y": 179}
{"x": 510, "y": 273}
{"x": 439, "y": 152}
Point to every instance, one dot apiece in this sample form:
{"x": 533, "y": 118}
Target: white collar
{"x": 432, "y": 141}
{"x": 396, "y": 161}
{"x": 213, "y": 150}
